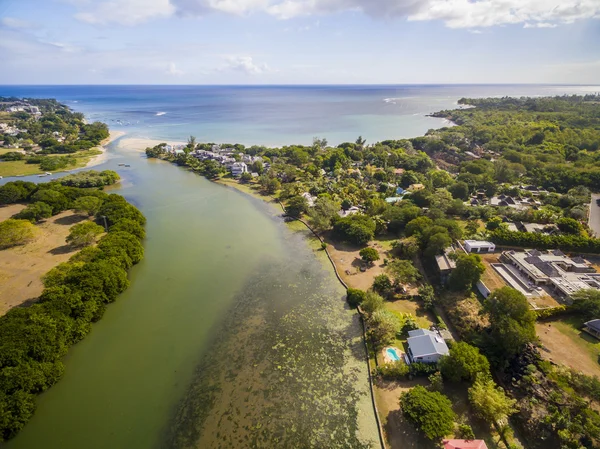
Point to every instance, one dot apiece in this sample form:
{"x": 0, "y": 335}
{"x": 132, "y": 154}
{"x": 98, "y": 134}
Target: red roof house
{"x": 464, "y": 444}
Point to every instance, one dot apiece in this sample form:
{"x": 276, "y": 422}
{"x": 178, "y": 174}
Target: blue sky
{"x": 299, "y": 41}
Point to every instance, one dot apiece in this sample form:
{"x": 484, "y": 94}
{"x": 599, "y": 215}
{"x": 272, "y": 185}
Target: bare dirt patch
{"x": 490, "y": 277}
{"x": 424, "y": 318}
{"x": 8, "y": 211}
{"x": 22, "y": 267}
{"x": 568, "y": 345}
{"x": 348, "y": 263}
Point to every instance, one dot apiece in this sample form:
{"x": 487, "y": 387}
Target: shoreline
{"x": 103, "y": 156}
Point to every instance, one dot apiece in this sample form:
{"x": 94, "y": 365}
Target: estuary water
{"x": 232, "y": 334}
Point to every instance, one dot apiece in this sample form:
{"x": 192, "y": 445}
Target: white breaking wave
{"x": 160, "y": 113}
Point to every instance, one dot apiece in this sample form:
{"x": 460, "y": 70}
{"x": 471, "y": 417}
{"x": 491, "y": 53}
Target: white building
{"x": 309, "y": 199}
{"x": 478, "y": 246}
{"x": 426, "y": 346}
{"x": 237, "y": 168}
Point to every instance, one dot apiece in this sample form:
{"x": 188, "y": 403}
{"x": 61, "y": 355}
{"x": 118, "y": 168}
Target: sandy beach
{"x": 140, "y": 144}
{"x": 101, "y": 158}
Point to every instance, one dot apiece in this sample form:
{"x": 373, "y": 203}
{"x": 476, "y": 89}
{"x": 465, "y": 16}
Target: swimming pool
{"x": 392, "y": 354}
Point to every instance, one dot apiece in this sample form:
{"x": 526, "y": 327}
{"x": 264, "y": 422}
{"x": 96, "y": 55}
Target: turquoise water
{"x": 391, "y": 352}
{"x": 275, "y": 115}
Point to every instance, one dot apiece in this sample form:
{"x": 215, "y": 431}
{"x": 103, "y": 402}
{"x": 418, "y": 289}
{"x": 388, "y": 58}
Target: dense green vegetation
{"x": 552, "y": 141}
{"x": 56, "y": 130}
{"x": 430, "y": 411}
{"x": 34, "y": 339}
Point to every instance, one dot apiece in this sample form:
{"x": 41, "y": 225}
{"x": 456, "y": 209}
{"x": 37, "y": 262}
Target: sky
{"x": 299, "y": 41}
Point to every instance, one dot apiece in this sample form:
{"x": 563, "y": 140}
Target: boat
{"x": 48, "y": 173}
{"x": 121, "y": 165}
{"x": 41, "y": 176}
{"x": 127, "y": 165}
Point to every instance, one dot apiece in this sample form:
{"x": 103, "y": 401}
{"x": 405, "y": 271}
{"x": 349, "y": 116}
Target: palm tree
{"x": 192, "y": 142}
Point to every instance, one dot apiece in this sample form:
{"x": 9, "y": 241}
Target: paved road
{"x": 594, "y": 222}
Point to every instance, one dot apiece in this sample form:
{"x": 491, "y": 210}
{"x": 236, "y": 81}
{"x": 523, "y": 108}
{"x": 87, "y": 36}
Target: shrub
{"x": 369, "y": 255}
{"x": 15, "y": 232}
{"x": 84, "y": 234}
{"x": 393, "y": 370}
{"x": 90, "y": 179}
{"x": 382, "y": 285}
{"x": 464, "y": 362}
{"x": 358, "y": 229}
{"x": 355, "y": 296}
{"x": 89, "y": 205}
{"x": 35, "y": 212}
{"x": 430, "y": 412}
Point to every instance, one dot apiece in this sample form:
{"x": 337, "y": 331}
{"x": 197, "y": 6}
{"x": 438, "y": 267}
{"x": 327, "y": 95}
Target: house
{"x": 464, "y": 444}
{"x": 393, "y": 199}
{"x": 415, "y": 187}
{"x": 593, "y": 327}
{"x": 178, "y": 152}
{"x": 426, "y": 346}
{"x": 237, "y": 168}
{"x": 445, "y": 264}
{"x": 565, "y": 275}
{"x": 477, "y": 246}
{"x": 309, "y": 199}
{"x": 353, "y": 210}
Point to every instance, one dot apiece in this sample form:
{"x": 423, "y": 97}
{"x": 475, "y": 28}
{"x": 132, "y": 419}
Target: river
{"x": 234, "y": 333}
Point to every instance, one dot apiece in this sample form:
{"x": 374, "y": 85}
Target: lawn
{"x": 565, "y": 343}
{"x": 16, "y": 168}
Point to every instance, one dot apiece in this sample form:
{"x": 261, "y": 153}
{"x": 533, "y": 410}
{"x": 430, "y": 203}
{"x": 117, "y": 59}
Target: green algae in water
{"x": 286, "y": 367}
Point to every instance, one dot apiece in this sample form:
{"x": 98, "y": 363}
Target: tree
{"x": 493, "y": 223}
{"x": 358, "y": 228}
{"x": 130, "y": 226}
{"x": 464, "y": 362}
{"x": 587, "y": 303}
{"x": 440, "y": 178}
{"x": 245, "y": 177}
{"x": 382, "y": 285}
{"x": 346, "y": 204}
{"x": 372, "y": 302}
{"x": 383, "y": 327}
{"x": 471, "y": 228}
{"x": 16, "y": 232}
{"x": 369, "y": 255}
{"x": 322, "y": 213}
{"x": 53, "y": 198}
{"x": 191, "y": 143}
{"x": 417, "y": 225}
{"x": 438, "y": 243}
{"x": 407, "y": 248}
{"x": 355, "y": 296}
{"x": 403, "y": 272}
{"x": 512, "y": 322}
{"x": 296, "y": 206}
{"x": 35, "y": 212}
{"x": 468, "y": 271}
{"x": 441, "y": 200}
{"x": 84, "y": 234}
{"x": 569, "y": 226}
{"x": 427, "y": 295}
{"x": 116, "y": 208}
{"x": 460, "y": 190}
{"x": 89, "y": 205}
{"x": 490, "y": 402}
{"x": 436, "y": 382}
{"x": 429, "y": 411}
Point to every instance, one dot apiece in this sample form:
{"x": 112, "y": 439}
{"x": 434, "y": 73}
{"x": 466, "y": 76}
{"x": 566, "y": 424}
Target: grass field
{"x": 16, "y": 168}
{"x": 567, "y": 344}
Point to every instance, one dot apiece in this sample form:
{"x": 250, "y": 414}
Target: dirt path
{"x": 22, "y": 267}
{"x": 8, "y": 211}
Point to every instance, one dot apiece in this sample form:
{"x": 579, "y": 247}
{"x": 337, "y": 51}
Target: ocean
{"x": 274, "y": 115}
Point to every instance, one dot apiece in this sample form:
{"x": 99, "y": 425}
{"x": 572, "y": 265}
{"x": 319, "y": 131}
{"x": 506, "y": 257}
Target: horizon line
{"x": 300, "y": 85}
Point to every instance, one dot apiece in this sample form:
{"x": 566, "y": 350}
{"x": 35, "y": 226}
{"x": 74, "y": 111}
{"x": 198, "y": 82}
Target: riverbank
{"x": 83, "y": 159}
{"x": 139, "y": 144}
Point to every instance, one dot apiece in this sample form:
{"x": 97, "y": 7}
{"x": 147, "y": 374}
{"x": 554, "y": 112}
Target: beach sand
{"x": 140, "y": 144}
{"x": 103, "y": 157}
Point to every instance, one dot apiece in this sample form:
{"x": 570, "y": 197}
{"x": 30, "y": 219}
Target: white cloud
{"x": 173, "y": 70}
{"x": 454, "y": 13}
{"x": 16, "y": 24}
{"x": 124, "y": 12}
{"x": 540, "y": 25}
{"x": 246, "y": 65}
{"x": 486, "y": 13}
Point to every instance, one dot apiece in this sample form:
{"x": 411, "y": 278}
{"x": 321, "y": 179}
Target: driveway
{"x": 594, "y": 222}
